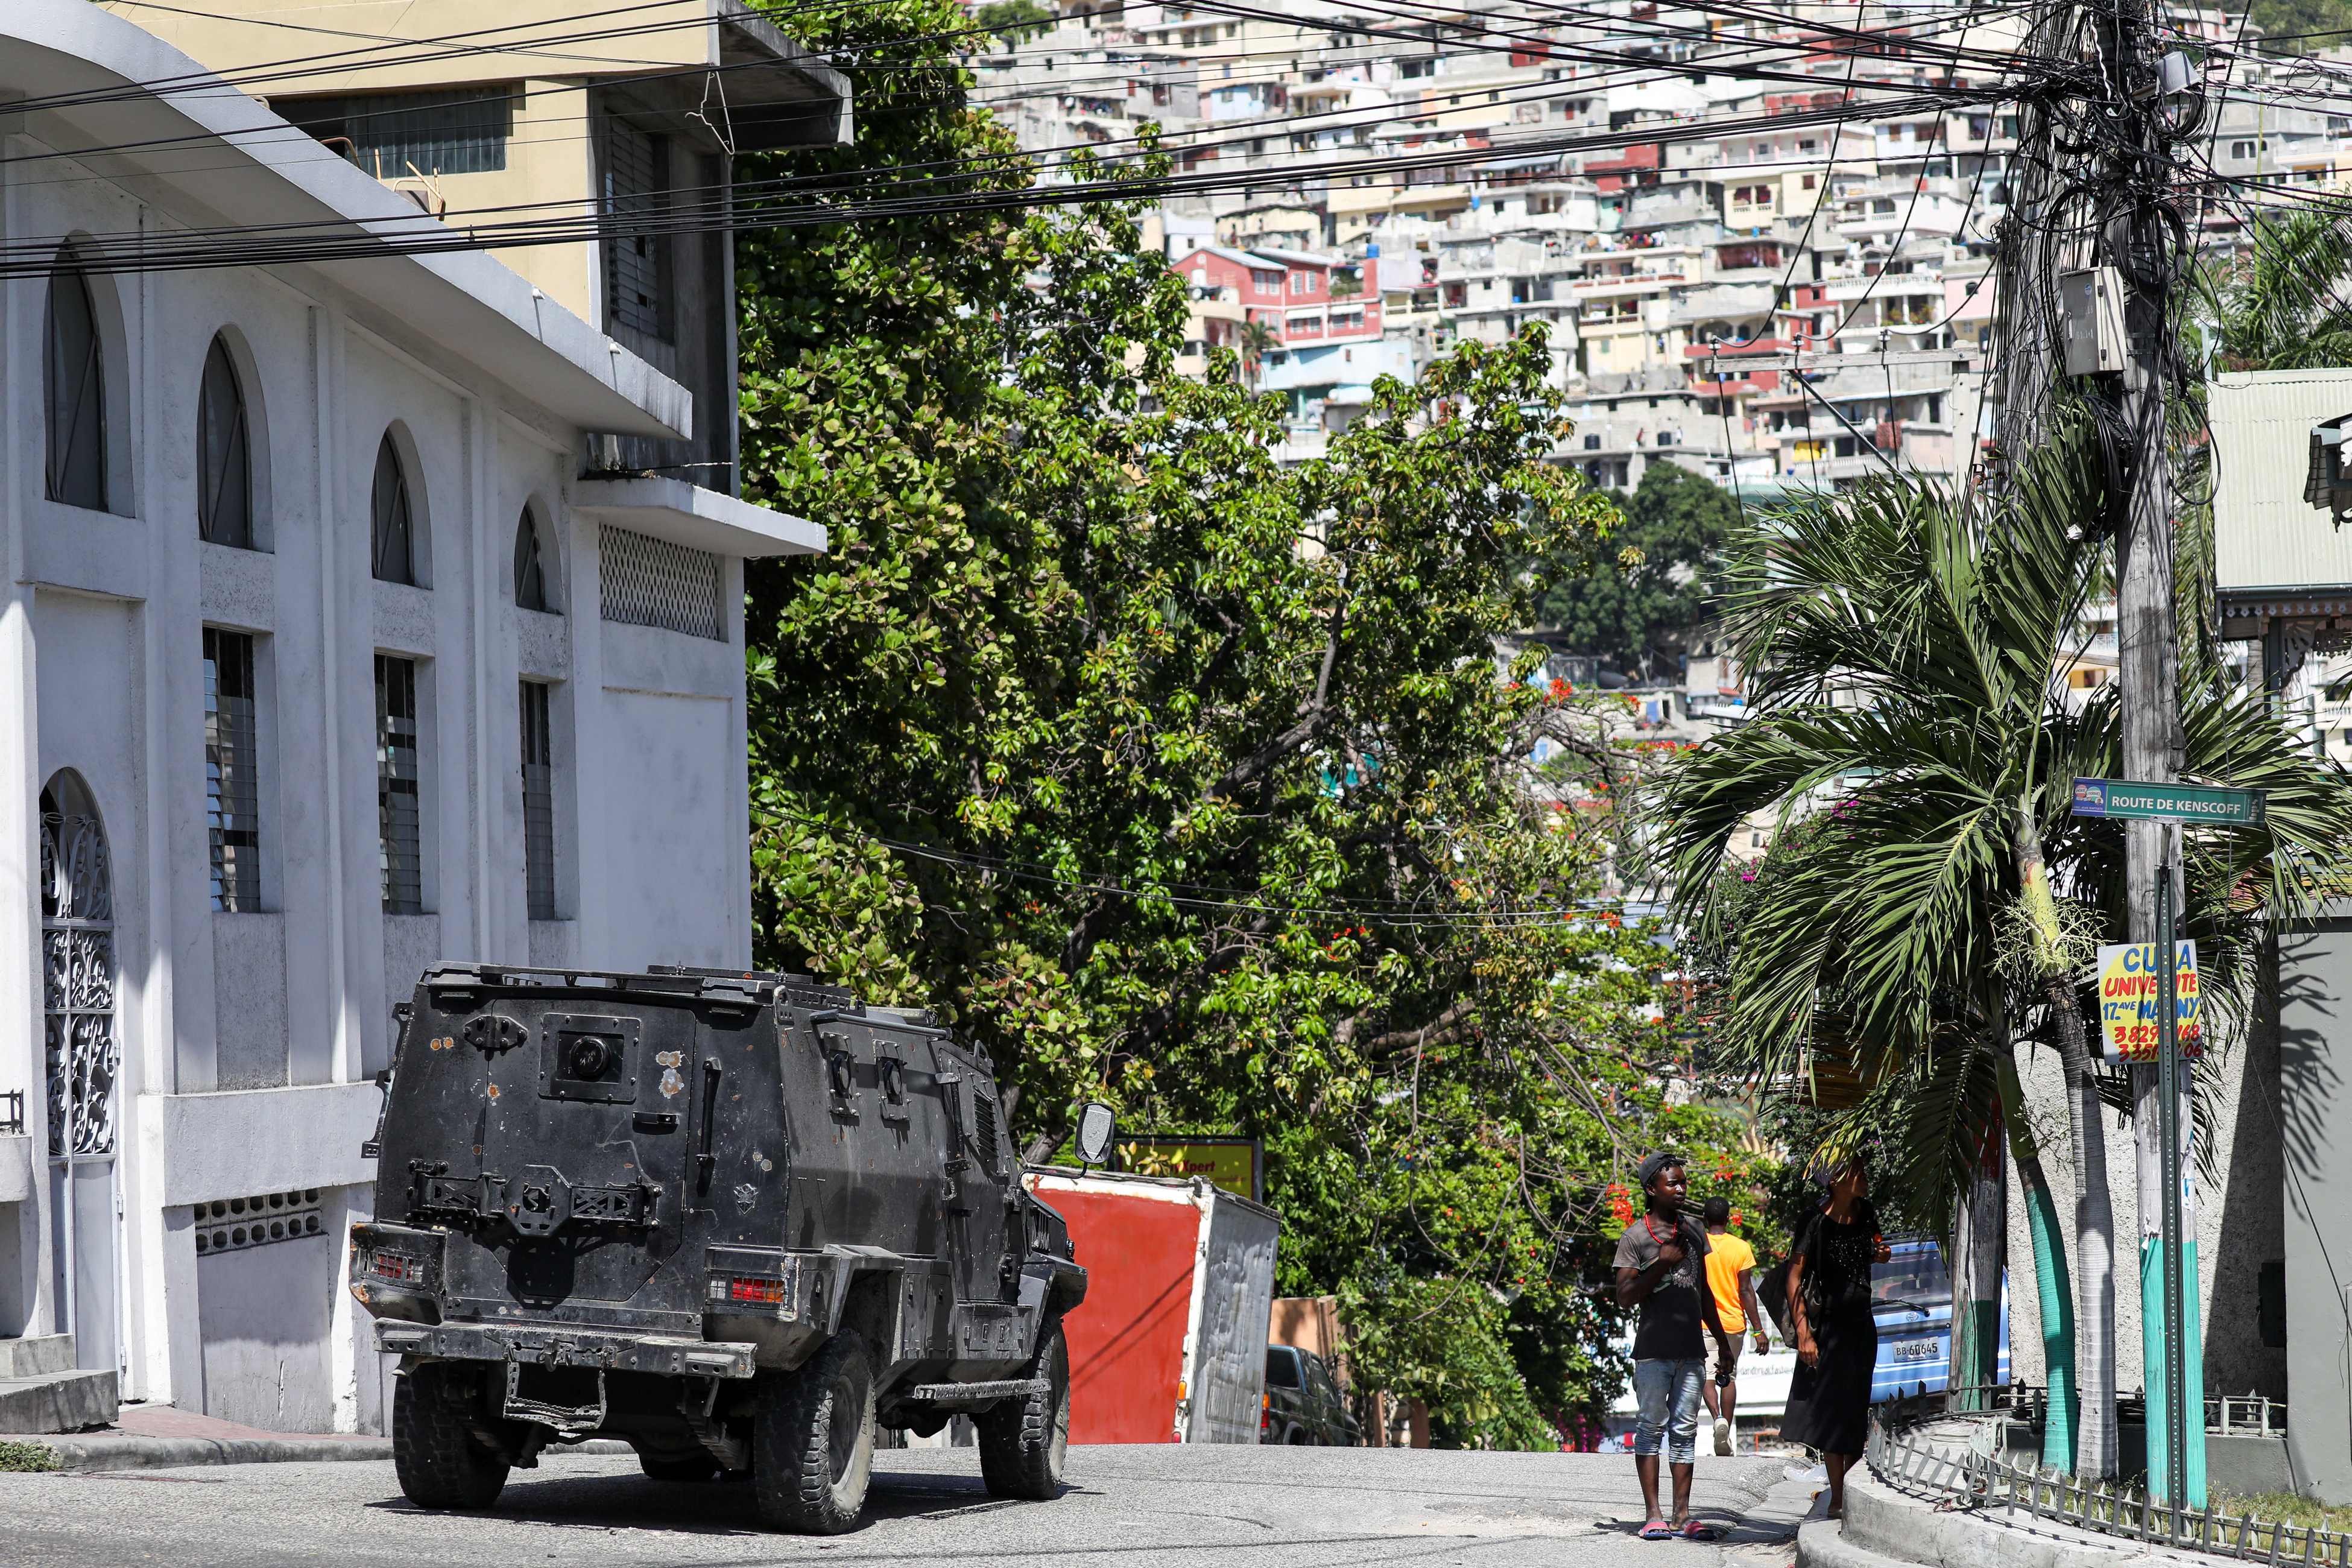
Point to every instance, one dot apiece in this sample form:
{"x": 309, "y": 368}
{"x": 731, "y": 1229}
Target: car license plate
{"x": 1916, "y": 1350}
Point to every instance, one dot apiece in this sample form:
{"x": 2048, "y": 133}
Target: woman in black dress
{"x": 1837, "y": 1337}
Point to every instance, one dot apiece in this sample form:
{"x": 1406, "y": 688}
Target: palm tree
{"x": 1940, "y": 899}
{"x": 2282, "y": 304}
{"x": 1257, "y": 340}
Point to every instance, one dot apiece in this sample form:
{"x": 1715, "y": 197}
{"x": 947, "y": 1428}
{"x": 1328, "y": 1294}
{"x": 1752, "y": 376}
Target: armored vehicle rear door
{"x": 977, "y": 1160}
{"x": 571, "y": 1116}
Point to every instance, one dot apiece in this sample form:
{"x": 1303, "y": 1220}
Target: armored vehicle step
{"x": 976, "y": 1393}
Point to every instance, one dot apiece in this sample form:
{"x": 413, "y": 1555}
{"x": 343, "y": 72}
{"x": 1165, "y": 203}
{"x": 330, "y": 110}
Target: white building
{"x": 321, "y": 660}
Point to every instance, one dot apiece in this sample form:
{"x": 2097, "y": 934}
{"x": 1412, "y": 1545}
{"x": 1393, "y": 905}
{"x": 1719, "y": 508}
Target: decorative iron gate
{"x": 84, "y": 1058}
{"x": 78, "y": 980}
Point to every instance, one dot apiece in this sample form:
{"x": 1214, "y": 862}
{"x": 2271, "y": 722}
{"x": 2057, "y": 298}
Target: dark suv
{"x": 1303, "y": 1402}
{"x": 737, "y": 1221}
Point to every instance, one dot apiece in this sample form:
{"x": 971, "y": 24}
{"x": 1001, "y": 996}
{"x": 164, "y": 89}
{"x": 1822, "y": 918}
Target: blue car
{"x": 1911, "y": 1297}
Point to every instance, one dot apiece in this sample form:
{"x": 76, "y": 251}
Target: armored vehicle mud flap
{"x": 566, "y": 1347}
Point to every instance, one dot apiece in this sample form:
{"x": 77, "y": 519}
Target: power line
{"x": 1090, "y": 149}
{"x": 301, "y": 241}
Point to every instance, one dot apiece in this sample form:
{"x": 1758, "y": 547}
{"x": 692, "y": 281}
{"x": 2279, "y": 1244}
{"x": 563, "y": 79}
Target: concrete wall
{"x": 2315, "y": 1045}
{"x": 2239, "y": 1218}
{"x": 233, "y": 1027}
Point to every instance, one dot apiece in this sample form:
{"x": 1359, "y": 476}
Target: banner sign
{"x": 1235, "y": 1165}
{"x": 2128, "y": 1013}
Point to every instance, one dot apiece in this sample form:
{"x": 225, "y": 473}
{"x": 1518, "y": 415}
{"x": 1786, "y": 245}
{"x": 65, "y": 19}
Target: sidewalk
{"x": 155, "y": 1436}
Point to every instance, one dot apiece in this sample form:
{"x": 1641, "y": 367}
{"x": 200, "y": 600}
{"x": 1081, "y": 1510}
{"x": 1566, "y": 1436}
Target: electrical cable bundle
{"x": 991, "y": 182}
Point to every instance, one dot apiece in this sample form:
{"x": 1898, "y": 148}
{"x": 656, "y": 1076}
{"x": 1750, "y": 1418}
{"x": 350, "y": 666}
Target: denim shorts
{"x": 1665, "y": 1395}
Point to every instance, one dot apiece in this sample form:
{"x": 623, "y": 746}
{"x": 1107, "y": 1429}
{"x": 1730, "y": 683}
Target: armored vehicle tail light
{"x": 398, "y": 1267}
{"x": 763, "y": 1291}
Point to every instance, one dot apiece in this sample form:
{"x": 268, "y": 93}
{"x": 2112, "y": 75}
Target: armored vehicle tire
{"x": 439, "y": 1461}
{"x": 813, "y": 1442}
{"x": 689, "y": 1468}
{"x": 1023, "y": 1441}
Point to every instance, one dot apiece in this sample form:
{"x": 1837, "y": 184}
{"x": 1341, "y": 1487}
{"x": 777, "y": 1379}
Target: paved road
{"x": 1127, "y": 1508}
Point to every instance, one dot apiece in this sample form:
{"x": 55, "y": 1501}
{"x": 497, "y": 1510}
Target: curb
{"x": 1887, "y": 1528}
{"x": 1819, "y": 1545}
{"x": 107, "y": 1451}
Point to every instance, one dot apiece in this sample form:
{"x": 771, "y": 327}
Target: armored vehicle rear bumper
{"x": 566, "y": 1346}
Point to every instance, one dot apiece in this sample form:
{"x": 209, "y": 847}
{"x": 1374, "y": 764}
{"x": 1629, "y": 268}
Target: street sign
{"x": 2130, "y": 1011}
{"x": 2166, "y": 801}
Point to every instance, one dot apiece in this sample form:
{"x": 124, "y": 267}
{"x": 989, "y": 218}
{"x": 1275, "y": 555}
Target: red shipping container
{"x": 1170, "y": 1345}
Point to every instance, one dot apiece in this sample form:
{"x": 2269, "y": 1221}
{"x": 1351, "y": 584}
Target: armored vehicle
{"x": 737, "y": 1221}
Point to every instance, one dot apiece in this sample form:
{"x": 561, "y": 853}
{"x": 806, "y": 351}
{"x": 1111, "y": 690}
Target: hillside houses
{"x": 1473, "y": 177}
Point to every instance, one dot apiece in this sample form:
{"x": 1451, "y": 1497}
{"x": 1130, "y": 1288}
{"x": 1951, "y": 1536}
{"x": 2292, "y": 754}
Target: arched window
{"x": 75, "y": 377}
{"x": 395, "y": 546}
{"x": 223, "y": 460}
{"x": 529, "y": 567}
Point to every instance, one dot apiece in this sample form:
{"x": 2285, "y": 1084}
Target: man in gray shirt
{"x": 1661, "y": 1269}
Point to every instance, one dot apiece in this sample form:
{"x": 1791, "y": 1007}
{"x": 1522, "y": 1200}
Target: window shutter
{"x": 636, "y": 266}
{"x": 399, "y": 813}
{"x": 75, "y": 384}
{"x": 391, "y": 521}
{"x": 529, "y": 568}
{"x": 538, "y": 803}
{"x": 223, "y": 466}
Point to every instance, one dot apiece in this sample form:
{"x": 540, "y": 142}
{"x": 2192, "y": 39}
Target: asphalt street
{"x": 1127, "y": 1508}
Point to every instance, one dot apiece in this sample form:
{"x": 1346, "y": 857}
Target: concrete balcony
{"x": 16, "y": 1172}
{"x": 1899, "y": 286}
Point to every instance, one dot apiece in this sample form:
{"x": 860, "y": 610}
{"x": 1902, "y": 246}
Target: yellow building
{"x": 567, "y": 132}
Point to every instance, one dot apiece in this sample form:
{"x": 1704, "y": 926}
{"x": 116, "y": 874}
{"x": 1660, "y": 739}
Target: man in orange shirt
{"x": 1731, "y": 1280}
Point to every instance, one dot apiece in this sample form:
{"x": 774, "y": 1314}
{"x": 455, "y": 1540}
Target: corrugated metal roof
{"x": 2265, "y": 535}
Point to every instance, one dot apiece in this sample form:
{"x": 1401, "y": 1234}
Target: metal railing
{"x": 1970, "y": 1478}
{"x": 2250, "y": 1415}
{"x": 2226, "y": 1414}
{"x": 12, "y": 1113}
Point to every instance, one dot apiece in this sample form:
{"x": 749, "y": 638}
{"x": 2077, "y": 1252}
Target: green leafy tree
{"x": 1180, "y": 778}
{"x": 2302, "y": 26}
{"x": 1638, "y": 608}
{"x": 1014, "y": 22}
{"x": 1938, "y": 898}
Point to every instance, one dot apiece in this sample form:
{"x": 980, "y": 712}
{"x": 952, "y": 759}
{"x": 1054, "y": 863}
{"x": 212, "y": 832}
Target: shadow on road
{"x": 720, "y": 1509}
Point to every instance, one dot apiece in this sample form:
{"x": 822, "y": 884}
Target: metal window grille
{"x": 232, "y": 796}
{"x": 392, "y": 522}
{"x": 529, "y": 566}
{"x": 399, "y": 821}
{"x": 224, "y": 465}
{"x": 538, "y": 803}
{"x": 636, "y": 265}
{"x": 648, "y": 581}
{"x": 394, "y": 135}
{"x": 74, "y": 376}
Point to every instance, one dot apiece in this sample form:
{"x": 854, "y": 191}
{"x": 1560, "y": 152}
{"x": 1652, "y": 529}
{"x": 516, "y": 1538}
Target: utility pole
{"x": 2137, "y": 243}
{"x": 2109, "y": 221}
